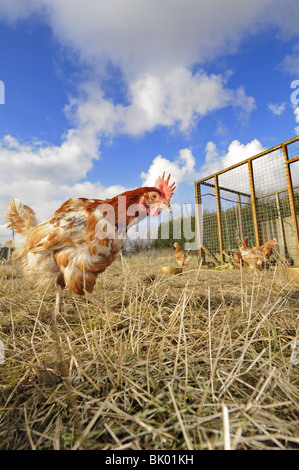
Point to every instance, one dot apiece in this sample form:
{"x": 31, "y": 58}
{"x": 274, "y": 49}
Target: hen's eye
{"x": 154, "y": 196}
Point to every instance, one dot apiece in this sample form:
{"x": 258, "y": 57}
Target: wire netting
{"x": 259, "y": 209}
{"x": 236, "y": 217}
{"x": 208, "y": 219}
{"x": 293, "y": 149}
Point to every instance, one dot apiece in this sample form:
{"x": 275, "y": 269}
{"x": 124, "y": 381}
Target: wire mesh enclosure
{"x": 257, "y": 198}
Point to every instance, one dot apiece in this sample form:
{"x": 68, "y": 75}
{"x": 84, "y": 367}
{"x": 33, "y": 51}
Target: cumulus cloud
{"x": 236, "y": 153}
{"x": 154, "y": 46}
{"x": 45, "y": 197}
{"x": 178, "y": 98}
{"x": 44, "y": 177}
{"x": 157, "y": 48}
{"x": 278, "y": 108}
{"x": 146, "y": 35}
{"x": 284, "y": 14}
{"x": 182, "y": 169}
{"x": 65, "y": 163}
{"x": 269, "y": 169}
{"x": 291, "y": 61}
{"x": 19, "y": 10}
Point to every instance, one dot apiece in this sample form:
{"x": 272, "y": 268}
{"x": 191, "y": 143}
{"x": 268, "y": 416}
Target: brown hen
{"x": 83, "y": 237}
{"x": 256, "y": 257}
{"x": 181, "y": 258}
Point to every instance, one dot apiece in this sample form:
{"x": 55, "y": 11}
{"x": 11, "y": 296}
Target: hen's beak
{"x": 166, "y": 206}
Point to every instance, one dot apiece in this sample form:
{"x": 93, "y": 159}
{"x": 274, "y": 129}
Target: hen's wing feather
{"x": 69, "y": 226}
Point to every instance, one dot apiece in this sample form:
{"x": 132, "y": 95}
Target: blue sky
{"x": 100, "y": 97}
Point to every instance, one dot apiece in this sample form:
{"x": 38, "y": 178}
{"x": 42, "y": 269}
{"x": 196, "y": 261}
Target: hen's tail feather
{"x": 20, "y": 218}
{"x": 245, "y": 243}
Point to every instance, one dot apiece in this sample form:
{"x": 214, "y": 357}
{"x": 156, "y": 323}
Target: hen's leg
{"x": 58, "y": 299}
{"x": 95, "y": 300}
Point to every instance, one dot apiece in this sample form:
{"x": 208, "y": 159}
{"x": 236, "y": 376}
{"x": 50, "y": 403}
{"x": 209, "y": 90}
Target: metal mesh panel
{"x": 236, "y": 180}
{"x": 269, "y": 213}
{"x": 293, "y": 149}
{"x": 254, "y": 200}
{"x": 286, "y": 228}
{"x": 294, "y": 170}
{"x": 236, "y": 214}
{"x": 231, "y": 226}
{"x": 291, "y": 230}
{"x": 209, "y": 228}
{"x": 269, "y": 173}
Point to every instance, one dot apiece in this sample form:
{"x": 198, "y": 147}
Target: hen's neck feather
{"x": 121, "y": 204}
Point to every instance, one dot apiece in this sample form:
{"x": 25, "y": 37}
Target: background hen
{"x": 237, "y": 257}
{"x": 256, "y": 257}
{"x": 83, "y": 237}
{"x": 181, "y": 257}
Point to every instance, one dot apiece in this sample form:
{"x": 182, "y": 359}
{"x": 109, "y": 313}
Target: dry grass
{"x": 200, "y": 360}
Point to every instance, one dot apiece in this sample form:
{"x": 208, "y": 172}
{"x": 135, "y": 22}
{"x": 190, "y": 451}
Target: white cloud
{"x": 142, "y": 36}
{"x": 45, "y": 177}
{"x": 18, "y": 9}
{"x": 177, "y": 98}
{"x": 284, "y": 14}
{"x": 278, "y": 108}
{"x": 291, "y": 62}
{"x": 180, "y": 97}
{"x": 65, "y": 163}
{"x": 182, "y": 169}
{"x": 154, "y": 46}
{"x": 236, "y": 153}
{"x": 45, "y": 197}
{"x": 269, "y": 171}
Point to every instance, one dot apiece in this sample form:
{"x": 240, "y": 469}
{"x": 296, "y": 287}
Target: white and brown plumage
{"x": 255, "y": 257}
{"x": 83, "y": 237}
{"x": 181, "y": 257}
{"x": 237, "y": 257}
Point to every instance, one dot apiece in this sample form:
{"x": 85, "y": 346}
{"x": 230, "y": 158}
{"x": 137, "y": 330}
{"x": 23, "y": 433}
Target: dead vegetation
{"x": 201, "y": 360}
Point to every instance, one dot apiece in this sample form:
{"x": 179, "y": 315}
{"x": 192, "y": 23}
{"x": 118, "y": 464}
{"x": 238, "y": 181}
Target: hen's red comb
{"x": 165, "y": 189}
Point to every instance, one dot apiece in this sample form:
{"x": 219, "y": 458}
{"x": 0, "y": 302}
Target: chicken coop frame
{"x": 258, "y": 198}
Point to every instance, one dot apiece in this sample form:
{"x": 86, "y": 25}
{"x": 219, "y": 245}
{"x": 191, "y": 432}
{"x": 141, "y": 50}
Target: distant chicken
{"x": 181, "y": 258}
{"x": 256, "y": 257}
{"x": 83, "y": 237}
{"x": 237, "y": 257}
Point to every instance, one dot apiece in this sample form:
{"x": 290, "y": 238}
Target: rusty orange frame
{"x": 289, "y": 189}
